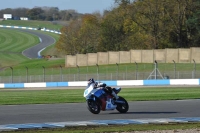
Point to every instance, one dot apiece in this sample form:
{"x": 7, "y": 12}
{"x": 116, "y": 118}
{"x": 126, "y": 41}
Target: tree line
{"x": 42, "y": 13}
{"x": 134, "y": 24}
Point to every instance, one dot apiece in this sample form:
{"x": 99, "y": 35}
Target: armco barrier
{"x": 15, "y": 85}
{"x": 184, "y": 81}
{"x": 109, "y": 83}
{"x": 156, "y": 82}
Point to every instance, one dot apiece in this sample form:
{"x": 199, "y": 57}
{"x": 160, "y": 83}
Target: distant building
{"x": 7, "y": 16}
{"x": 23, "y": 18}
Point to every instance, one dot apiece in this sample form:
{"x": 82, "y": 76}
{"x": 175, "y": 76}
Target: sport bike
{"x": 98, "y": 99}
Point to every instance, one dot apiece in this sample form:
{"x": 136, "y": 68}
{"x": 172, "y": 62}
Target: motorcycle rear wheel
{"x": 122, "y": 108}
{"x": 93, "y": 107}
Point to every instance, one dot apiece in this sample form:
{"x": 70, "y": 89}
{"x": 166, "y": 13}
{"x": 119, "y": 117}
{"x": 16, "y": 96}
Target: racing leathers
{"x": 108, "y": 89}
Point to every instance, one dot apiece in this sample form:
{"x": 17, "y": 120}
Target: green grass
{"x": 12, "y": 43}
{"x": 32, "y": 24}
{"x": 38, "y": 63}
{"x": 11, "y": 59}
{"x": 8, "y": 97}
{"x": 16, "y": 41}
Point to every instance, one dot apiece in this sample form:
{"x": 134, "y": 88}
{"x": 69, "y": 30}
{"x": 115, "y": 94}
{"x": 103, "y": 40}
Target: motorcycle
{"x": 98, "y": 99}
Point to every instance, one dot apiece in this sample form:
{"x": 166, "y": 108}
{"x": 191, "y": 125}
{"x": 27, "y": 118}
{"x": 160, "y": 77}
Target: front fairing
{"x": 88, "y": 90}
{"x": 91, "y": 91}
{"x": 98, "y": 93}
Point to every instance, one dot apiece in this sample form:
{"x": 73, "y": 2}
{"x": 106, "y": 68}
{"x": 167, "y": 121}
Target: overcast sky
{"x": 81, "y": 6}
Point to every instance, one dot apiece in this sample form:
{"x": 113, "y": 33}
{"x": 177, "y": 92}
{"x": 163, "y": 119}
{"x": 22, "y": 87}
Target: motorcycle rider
{"x": 103, "y": 86}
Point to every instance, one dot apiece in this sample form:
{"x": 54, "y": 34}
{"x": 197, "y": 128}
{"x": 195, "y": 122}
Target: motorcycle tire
{"x": 93, "y": 107}
{"x": 122, "y": 108}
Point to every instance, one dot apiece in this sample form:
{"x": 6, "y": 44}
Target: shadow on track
{"x": 145, "y": 113}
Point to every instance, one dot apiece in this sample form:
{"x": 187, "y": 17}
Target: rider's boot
{"x": 114, "y": 95}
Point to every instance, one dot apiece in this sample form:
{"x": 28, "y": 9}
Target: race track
{"x": 41, "y": 113}
{"x": 46, "y": 40}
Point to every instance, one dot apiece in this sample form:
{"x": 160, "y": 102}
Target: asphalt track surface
{"x": 46, "y": 40}
{"x": 41, "y": 113}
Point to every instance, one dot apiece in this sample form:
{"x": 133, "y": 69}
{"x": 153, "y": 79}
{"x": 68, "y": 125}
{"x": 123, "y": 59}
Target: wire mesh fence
{"x": 112, "y": 72}
{"x": 105, "y": 76}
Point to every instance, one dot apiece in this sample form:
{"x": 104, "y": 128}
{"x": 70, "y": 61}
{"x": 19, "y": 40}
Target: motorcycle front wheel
{"x": 93, "y": 107}
{"x": 122, "y": 107}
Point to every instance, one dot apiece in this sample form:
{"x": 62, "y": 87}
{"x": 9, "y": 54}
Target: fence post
{"x": 97, "y": 71}
{"x": 61, "y": 79}
{"x": 136, "y": 70}
{"x": 174, "y": 69}
{"x": 117, "y": 70}
{"x": 194, "y": 69}
{"x": 43, "y": 73}
{"x": 78, "y": 72}
{"x": 26, "y": 74}
{"x": 126, "y": 73}
{"x": 156, "y": 68}
{"x": 11, "y": 74}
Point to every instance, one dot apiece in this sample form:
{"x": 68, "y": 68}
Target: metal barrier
{"x": 113, "y": 72}
{"x": 106, "y": 76}
{"x": 153, "y": 82}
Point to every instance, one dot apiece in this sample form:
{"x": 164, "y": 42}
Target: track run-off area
{"x": 45, "y": 41}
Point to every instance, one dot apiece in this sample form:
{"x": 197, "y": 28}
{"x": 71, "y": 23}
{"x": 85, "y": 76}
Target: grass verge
{"x": 12, "y": 43}
{"x": 49, "y": 96}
